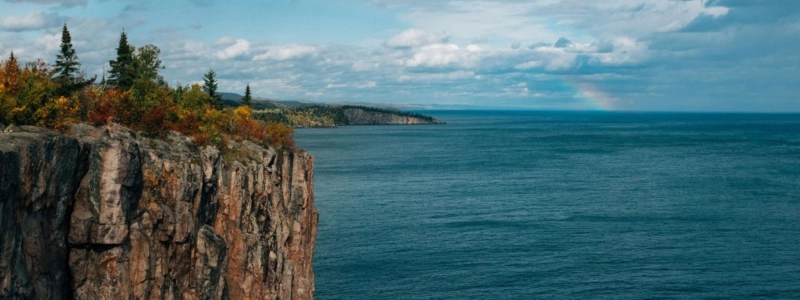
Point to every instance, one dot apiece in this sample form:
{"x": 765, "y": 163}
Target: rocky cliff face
{"x": 107, "y": 214}
{"x": 357, "y": 116}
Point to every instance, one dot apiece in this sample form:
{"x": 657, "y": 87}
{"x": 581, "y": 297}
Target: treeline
{"x": 391, "y": 112}
{"x": 324, "y": 115}
{"x": 134, "y": 94}
{"x": 304, "y": 116}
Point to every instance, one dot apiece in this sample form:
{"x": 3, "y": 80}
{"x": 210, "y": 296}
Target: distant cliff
{"x": 107, "y": 214}
{"x": 366, "y": 116}
{"x": 334, "y": 115}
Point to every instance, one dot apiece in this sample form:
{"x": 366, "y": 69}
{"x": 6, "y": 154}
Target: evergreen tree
{"x": 66, "y": 60}
{"x": 146, "y": 64}
{"x": 67, "y": 65}
{"x": 210, "y": 86}
{"x": 122, "y": 71}
{"x": 248, "y": 98}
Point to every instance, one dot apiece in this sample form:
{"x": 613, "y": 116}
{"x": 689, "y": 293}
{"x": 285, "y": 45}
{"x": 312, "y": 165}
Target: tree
{"x": 146, "y": 64}
{"x": 66, "y": 60}
{"x": 210, "y": 86}
{"x": 248, "y": 98}
{"x": 122, "y": 71}
{"x": 67, "y": 67}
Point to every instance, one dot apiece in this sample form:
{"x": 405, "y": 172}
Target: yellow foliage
{"x": 243, "y": 112}
{"x": 59, "y": 113}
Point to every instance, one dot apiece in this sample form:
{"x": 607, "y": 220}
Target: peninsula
{"x": 305, "y": 114}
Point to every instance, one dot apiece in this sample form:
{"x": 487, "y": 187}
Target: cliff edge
{"x": 107, "y": 214}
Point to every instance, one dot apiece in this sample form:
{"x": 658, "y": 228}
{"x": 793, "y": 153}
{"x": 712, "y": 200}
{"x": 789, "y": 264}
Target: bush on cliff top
{"x": 36, "y": 94}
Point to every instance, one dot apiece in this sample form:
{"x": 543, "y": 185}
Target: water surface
{"x": 575, "y": 205}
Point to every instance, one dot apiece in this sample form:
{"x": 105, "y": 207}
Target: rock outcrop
{"x": 107, "y": 214}
{"x": 359, "y": 116}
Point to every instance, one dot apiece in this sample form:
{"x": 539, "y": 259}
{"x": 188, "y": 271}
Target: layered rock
{"x": 108, "y": 214}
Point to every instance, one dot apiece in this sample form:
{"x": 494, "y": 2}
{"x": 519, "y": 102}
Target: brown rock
{"x": 112, "y": 215}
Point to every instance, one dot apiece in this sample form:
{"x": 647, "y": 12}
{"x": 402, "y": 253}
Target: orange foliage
{"x": 280, "y": 134}
{"x": 101, "y": 105}
{"x": 27, "y": 96}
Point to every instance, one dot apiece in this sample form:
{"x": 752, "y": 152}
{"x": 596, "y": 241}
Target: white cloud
{"x": 636, "y": 18}
{"x": 627, "y": 51}
{"x": 287, "y": 52}
{"x": 224, "y": 41}
{"x": 239, "y": 48}
{"x": 437, "y": 77}
{"x": 439, "y": 55}
{"x": 534, "y": 64}
{"x": 50, "y": 42}
{"x": 415, "y": 38}
{"x": 32, "y": 21}
{"x": 336, "y": 86}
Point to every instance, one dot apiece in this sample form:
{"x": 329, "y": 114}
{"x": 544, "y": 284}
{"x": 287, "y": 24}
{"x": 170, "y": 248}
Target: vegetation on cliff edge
{"x": 135, "y": 95}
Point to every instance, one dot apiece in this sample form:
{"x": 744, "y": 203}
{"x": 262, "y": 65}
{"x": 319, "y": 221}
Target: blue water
{"x": 564, "y": 205}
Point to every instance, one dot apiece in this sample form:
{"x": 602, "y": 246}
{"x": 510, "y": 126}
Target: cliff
{"x": 361, "y": 116}
{"x": 107, "y": 214}
{"x": 336, "y": 115}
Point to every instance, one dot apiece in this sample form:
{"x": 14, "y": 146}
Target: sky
{"x": 638, "y": 55}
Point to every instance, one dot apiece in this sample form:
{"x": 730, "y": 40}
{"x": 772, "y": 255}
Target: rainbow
{"x": 591, "y": 95}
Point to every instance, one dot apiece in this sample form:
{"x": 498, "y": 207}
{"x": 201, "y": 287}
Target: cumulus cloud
{"x": 437, "y": 55}
{"x": 237, "y": 48}
{"x": 32, "y": 21}
{"x": 415, "y": 38}
{"x": 626, "y": 51}
{"x": 286, "y": 52}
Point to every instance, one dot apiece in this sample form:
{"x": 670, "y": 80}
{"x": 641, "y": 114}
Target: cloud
{"x": 32, "y": 21}
{"x": 286, "y": 52}
{"x": 237, "y": 48}
{"x": 415, "y": 38}
{"x": 336, "y": 86}
{"x": 646, "y": 54}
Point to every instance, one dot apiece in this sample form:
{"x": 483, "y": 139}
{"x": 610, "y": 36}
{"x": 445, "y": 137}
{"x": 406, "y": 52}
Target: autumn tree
{"x": 9, "y": 74}
{"x": 248, "y": 98}
{"x": 122, "y": 73}
{"x": 67, "y": 67}
{"x": 210, "y": 87}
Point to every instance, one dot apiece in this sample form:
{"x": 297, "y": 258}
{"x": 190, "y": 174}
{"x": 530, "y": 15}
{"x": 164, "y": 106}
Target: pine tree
{"x": 122, "y": 71}
{"x": 210, "y": 86}
{"x": 67, "y": 67}
{"x": 66, "y": 60}
{"x": 248, "y": 98}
